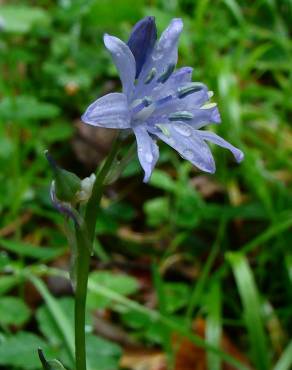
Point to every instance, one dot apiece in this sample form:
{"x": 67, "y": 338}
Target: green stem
{"x": 92, "y": 207}
{"x": 84, "y": 236}
{"x": 82, "y": 271}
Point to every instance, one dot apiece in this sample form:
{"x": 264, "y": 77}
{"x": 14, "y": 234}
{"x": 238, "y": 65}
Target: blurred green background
{"x": 216, "y": 249}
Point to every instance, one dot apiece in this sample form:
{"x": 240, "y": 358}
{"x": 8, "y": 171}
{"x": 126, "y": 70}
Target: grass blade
{"x": 214, "y": 325}
{"x": 251, "y": 309}
{"x": 285, "y": 361}
{"x": 58, "y": 315}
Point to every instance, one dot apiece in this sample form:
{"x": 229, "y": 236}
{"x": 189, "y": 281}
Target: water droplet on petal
{"x": 171, "y": 141}
{"x": 158, "y": 52}
{"x": 183, "y": 130}
{"x": 148, "y": 157}
{"x": 188, "y": 154}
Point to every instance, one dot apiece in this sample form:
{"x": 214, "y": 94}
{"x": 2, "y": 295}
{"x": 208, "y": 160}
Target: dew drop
{"x": 148, "y": 157}
{"x": 183, "y": 130}
{"x": 171, "y": 141}
{"x": 158, "y": 53}
{"x": 188, "y": 154}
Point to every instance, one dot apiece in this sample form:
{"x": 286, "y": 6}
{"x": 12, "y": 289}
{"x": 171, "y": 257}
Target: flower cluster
{"x": 158, "y": 102}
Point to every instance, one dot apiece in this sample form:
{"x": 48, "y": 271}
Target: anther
{"x": 150, "y": 76}
{"x": 181, "y": 116}
{"x": 147, "y": 101}
{"x": 189, "y": 88}
{"x": 166, "y": 73}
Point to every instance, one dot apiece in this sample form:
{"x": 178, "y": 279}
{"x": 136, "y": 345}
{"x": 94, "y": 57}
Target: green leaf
{"x": 102, "y": 354}
{"x": 49, "y": 365}
{"x": 157, "y": 318}
{"x": 56, "y": 365}
{"x": 251, "y": 309}
{"x": 20, "y": 350}
{"x": 135, "y": 320}
{"x": 177, "y": 296}
{"x": 119, "y": 283}
{"x": 162, "y": 180}
{"x": 157, "y": 211}
{"x": 56, "y": 132}
{"x": 21, "y": 19}
{"x": 31, "y": 251}
{"x": 13, "y": 311}
{"x": 188, "y": 208}
{"x": 7, "y": 282}
{"x": 48, "y": 325}
{"x": 25, "y": 107}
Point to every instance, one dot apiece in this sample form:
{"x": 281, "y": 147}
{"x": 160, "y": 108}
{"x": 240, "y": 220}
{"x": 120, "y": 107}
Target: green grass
{"x": 229, "y": 231}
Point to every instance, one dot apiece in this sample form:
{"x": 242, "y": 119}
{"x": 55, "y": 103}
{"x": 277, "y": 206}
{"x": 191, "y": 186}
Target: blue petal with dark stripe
{"x": 142, "y": 40}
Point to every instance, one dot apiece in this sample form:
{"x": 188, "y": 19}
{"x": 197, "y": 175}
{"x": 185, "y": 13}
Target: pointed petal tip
{"x": 84, "y": 118}
{"x": 108, "y": 40}
{"x": 238, "y": 155}
{"x": 216, "y": 118}
{"x": 148, "y": 18}
{"x": 211, "y": 170}
{"x": 146, "y": 178}
{"x": 142, "y": 40}
{"x": 209, "y": 167}
{"x": 178, "y": 23}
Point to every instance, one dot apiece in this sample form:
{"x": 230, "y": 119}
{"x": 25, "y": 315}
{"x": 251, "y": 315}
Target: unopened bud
{"x": 83, "y": 195}
{"x": 67, "y": 184}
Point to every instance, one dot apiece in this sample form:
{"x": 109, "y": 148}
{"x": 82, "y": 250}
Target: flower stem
{"x": 84, "y": 237}
{"x": 92, "y": 208}
{"x": 82, "y": 271}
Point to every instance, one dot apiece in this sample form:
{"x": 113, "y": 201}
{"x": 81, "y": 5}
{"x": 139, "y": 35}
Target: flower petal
{"x": 178, "y": 78}
{"x": 184, "y": 139}
{"x": 201, "y": 116}
{"x": 124, "y": 61}
{"x": 210, "y": 136}
{"x": 109, "y": 111}
{"x": 163, "y": 57}
{"x": 205, "y": 116}
{"x": 165, "y": 52}
{"x": 142, "y": 40}
{"x": 148, "y": 151}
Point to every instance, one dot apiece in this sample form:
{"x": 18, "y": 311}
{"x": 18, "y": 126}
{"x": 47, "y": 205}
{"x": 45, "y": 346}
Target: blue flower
{"x": 158, "y": 102}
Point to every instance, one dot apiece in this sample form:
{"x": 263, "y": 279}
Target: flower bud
{"x": 85, "y": 192}
{"x": 67, "y": 184}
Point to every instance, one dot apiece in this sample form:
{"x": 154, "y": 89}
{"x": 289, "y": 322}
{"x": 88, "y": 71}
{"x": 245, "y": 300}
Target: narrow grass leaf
{"x": 235, "y": 10}
{"x": 285, "y": 361}
{"x": 251, "y": 309}
{"x": 160, "y": 291}
{"x": 171, "y": 324}
{"x": 58, "y": 315}
{"x": 214, "y": 325}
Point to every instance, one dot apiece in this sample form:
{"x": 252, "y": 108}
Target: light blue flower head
{"x": 158, "y": 102}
